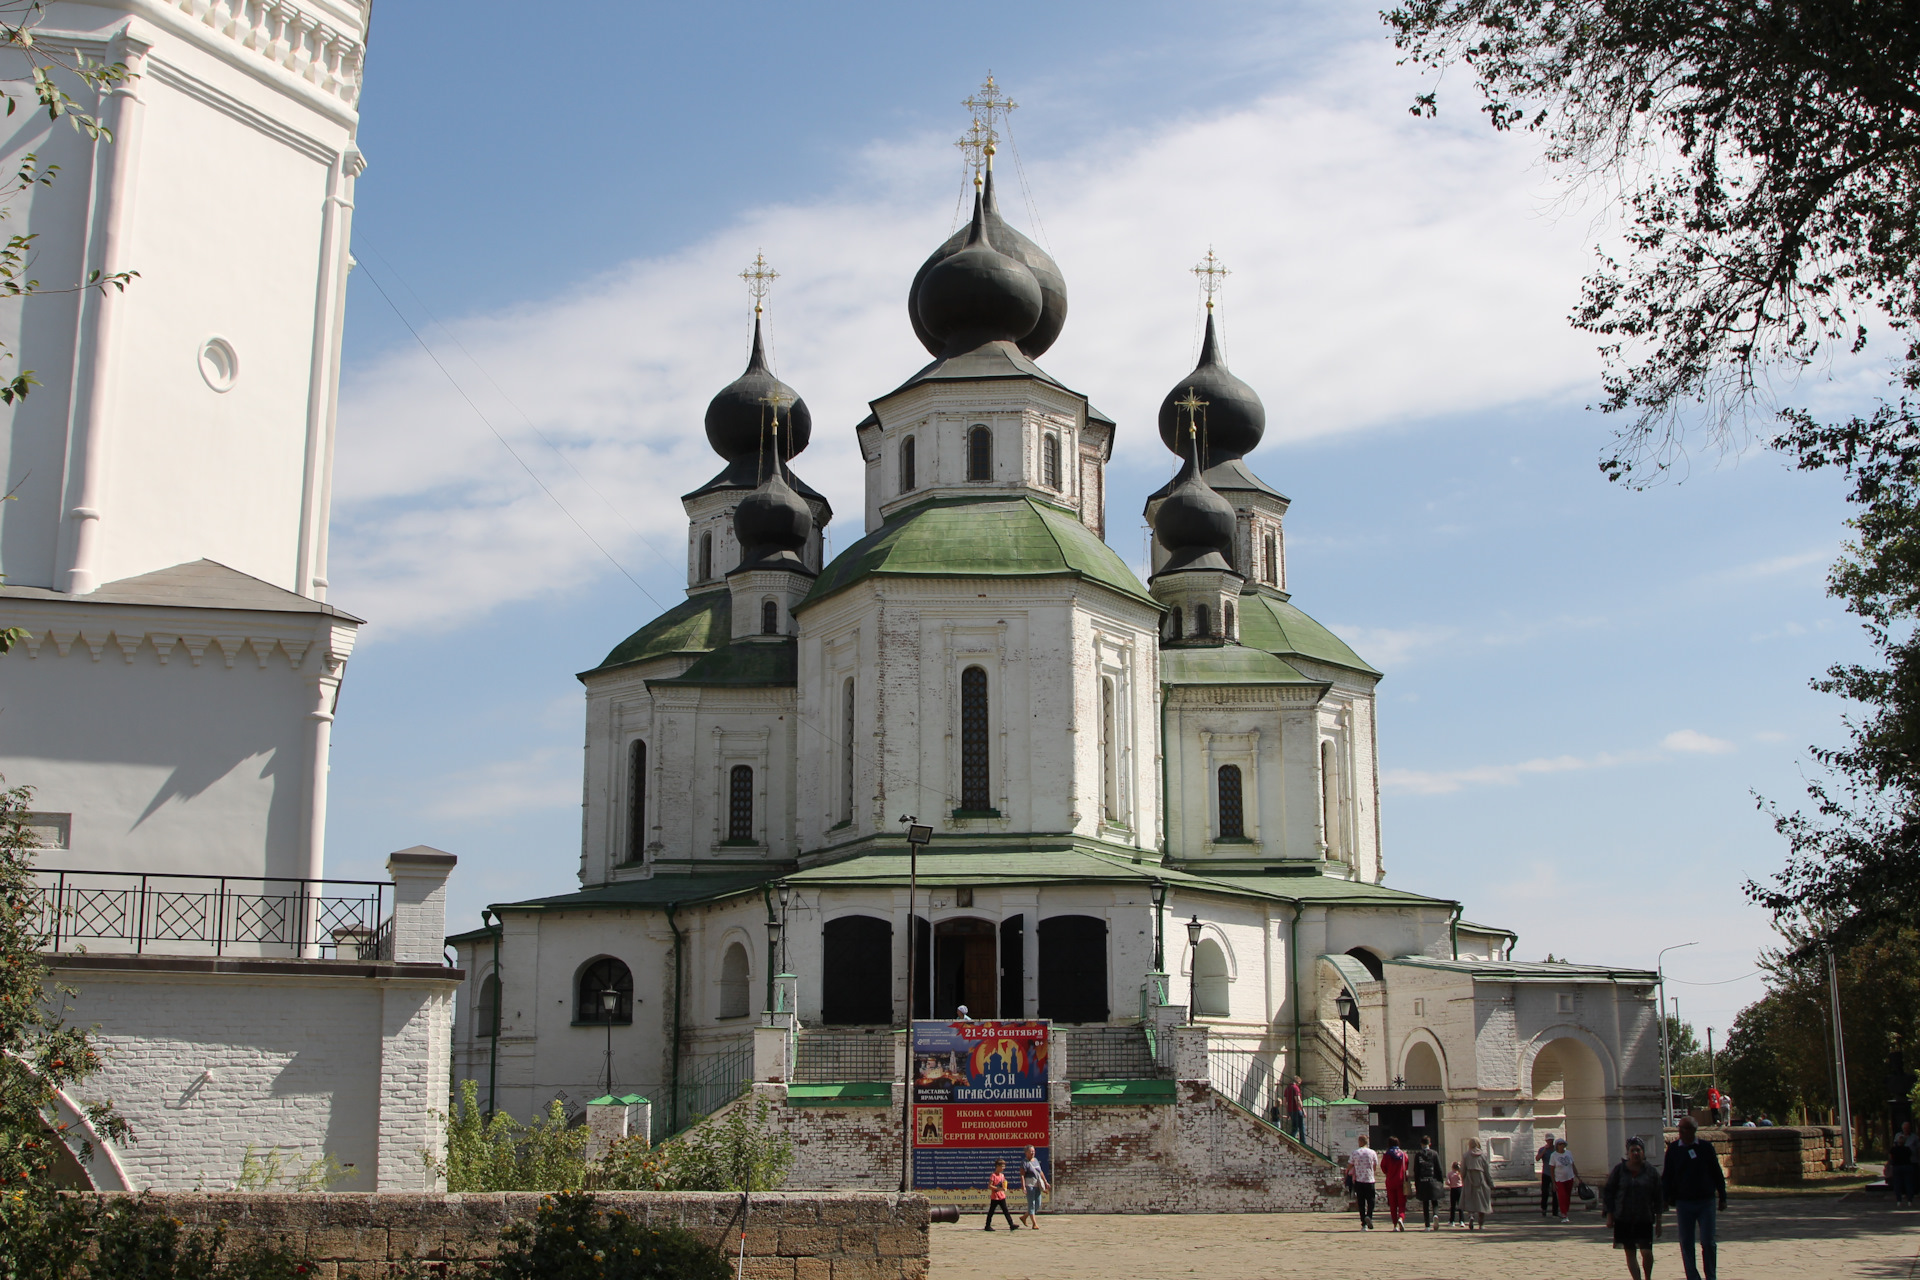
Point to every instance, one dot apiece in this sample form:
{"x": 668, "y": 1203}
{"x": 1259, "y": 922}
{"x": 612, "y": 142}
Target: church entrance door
{"x": 966, "y": 968}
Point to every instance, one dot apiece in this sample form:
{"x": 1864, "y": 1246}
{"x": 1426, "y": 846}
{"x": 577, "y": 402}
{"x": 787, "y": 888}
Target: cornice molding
{"x": 223, "y": 633}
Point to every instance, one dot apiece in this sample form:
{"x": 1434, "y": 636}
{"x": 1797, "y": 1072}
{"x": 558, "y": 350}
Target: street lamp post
{"x": 1666, "y": 1049}
{"x": 1349, "y": 1014}
{"x": 1845, "y": 1095}
{"x": 773, "y": 963}
{"x": 609, "y": 1001}
{"x": 917, "y": 835}
{"x": 1193, "y": 970}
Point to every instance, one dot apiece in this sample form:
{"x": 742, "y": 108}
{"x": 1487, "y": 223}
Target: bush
{"x": 53, "y": 1237}
{"x": 498, "y": 1153}
{"x": 570, "y": 1239}
{"x": 741, "y": 1151}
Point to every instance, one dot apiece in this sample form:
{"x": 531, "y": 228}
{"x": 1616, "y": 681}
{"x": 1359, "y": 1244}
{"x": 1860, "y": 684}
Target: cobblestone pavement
{"x": 1798, "y": 1238}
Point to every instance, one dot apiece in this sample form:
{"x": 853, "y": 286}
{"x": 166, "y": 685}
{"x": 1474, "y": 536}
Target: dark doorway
{"x": 1407, "y": 1123}
{"x": 965, "y": 969}
{"x": 1013, "y": 971}
{"x": 857, "y": 977}
{"x": 1073, "y": 969}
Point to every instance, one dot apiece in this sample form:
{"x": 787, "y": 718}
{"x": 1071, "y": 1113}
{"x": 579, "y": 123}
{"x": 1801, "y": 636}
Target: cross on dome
{"x": 758, "y": 277}
{"x": 1211, "y": 275}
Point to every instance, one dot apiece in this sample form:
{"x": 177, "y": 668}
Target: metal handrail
{"x": 144, "y": 907}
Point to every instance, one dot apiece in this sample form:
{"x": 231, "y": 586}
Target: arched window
{"x": 1227, "y": 621}
{"x": 1050, "y": 461}
{"x": 735, "y": 983}
{"x": 1176, "y": 624}
{"x": 1331, "y": 823}
{"x": 637, "y": 801}
{"x": 706, "y": 556}
{"x": 604, "y": 974}
{"x": 486, "y": 1008}
{"x": 1210, "y": 979}
{"x": 1109, "y": 785}
{"x": 1273, "y": 560}
{"x": 975, "y": 792}
{"x": 907, "y": 481}
{"x": 846, "y": 752}
{"x": 769, "y": 618}
{"x": 1233, "y": 816}
{"x": 740, "y": 803}
{"x": 1201, "y": 627}
{"x": 980, "y": 454}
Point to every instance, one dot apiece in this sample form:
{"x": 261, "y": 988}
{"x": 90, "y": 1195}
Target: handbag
{"x": 1586, "y": 1192}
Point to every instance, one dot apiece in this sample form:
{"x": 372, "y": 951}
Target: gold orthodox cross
{"x": 1211, "y": 273}
{"x": 758, "y": 277}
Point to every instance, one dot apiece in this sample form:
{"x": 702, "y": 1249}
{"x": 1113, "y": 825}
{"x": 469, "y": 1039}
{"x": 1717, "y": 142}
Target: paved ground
{"x": 1797, "y": 1238}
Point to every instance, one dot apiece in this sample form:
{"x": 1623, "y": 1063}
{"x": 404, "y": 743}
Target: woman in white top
{"x": 1565, "y": 1176}
{"x": 1033, "y": 1182}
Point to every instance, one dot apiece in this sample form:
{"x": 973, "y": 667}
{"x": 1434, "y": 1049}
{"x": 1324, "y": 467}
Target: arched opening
{"x": 735, "y": 982}
{"x": 1233, "y": 817}
{"x": 907, "y": 479}
{"x": 965, "y": 968}
{"x": 769, "y": 618}
{"x": 1175, "y": 627}
{"x": 1109, "y": 772}
{"x": 636, "y": 801}
{"x": 706, "y": 556}
{"x": 1013, "y": 967}
{"x": 486, "y": 1008}
{"x": 1050, "y": 462}
{"x": 1073, "y": 969}
{"x": 980, "y": 454}
{"x": 1371, "y": 962}
{"x": 976, "y": 791}
{"x": 740, "y": 803}
{"x": 846, "y": 752}
{"x": 1569, "y": 1100}
{"x": 1227, "y": 621}
{"x": 856, "y": 976}
{"x": 1422, "y": 1069}
{"x": 604, "y": 974}
{"x": 1201, "y": 623}
{"x": 1211, "y": 997}
{"x": 1272, "y": 574}
{"x": 1332, "y": 816}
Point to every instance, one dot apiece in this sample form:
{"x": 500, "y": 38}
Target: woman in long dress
{"x": 1476, "y": 1197}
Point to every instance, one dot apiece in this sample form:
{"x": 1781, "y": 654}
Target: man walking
{"x": 1544, "y": 1158}
{"x": 1362, "y": 1167}
{"x": 1296, "y": 1110}
{"x": 1694, "y": 1185}
{"x": 1429, "y": 1175}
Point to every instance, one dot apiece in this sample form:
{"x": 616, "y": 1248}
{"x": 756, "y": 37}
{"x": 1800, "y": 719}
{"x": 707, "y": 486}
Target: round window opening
{"x": 218, "y": 365}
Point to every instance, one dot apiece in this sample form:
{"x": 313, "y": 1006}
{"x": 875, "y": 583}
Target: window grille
{"x": 1227, "y": 622}
{"x": 602, "y": 974}
{"x": 906, "y": 465}
{"x": 974, "y": 790}
{"x": 735, "y": 983}
{"x": 706, "y": 556}
{"x": 740, "y": 804}
{"x": 1176, "y": 623}
{"x": 846, "y": 754}
{"x": 980, "y": 454}
{"x": 1233, "y": 823}
{"x": 1273, "y": 560}
{"x": 1201, "y": 627}
{"x": 769, "y": 618}
{"x": 637, "y": 801}
{"x": 1050, "y": 461}
{"x": 1109, "y": 797}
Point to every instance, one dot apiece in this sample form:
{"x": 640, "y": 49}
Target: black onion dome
{"x": 978, "y": 295}
{"x": 1194, "y": 524}
{"x": 1046, "y": 273}
{"x": 1233, "y": 421}
{"x": 737, "y": 418}
{"x": 771, "y": 523}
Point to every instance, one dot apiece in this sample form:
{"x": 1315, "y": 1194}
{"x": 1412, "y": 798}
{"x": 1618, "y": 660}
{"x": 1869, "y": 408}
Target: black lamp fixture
{"x": 609, "y": 1003}
{"x": 1193, "y": 970}
{"x": 1159, "y": 891}
{"x": 1349, "y": 1016}
{"x": 773, "y": 961}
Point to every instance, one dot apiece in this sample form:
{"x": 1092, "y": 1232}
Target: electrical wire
{"x": 1723, "y": 982}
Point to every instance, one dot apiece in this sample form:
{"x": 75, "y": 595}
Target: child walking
{"x": 997, "y": 1196}
{"x": 1455, "y": 1182}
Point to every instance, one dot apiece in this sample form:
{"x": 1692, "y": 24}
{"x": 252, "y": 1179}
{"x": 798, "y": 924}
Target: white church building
{"x": 165, "y": 549}
{"x": 1152, "y": 803}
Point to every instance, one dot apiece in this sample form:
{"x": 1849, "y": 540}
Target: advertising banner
{"x": 979, "y": 1095}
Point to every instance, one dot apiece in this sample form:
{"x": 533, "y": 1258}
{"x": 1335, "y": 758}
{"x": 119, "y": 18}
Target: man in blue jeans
{"x": 1695, "y": 1185}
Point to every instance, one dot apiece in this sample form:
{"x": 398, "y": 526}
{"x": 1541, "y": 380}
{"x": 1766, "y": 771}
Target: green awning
{"x": 847, "y": 1093}
{"x": 1110, "y": 1093}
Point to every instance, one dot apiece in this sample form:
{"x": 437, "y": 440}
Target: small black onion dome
{"x": 1194, "y": 524}
{"x": 1046, "y": 272}
{"x": 1233, "y": 421}
{"x": 738, "y": 417}
{"x": 772, "y": 522}
{"x": 978, "y": 295}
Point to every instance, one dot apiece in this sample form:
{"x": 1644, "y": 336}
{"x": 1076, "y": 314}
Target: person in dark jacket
{"x": 1695, "y": 1185}
{"x": 1633, "y": 1199}
{"x": 1429, "y": 1176}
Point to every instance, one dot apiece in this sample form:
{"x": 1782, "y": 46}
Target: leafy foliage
{"x": 570, "y": 1239}
{"x": 497, "y": 1153}
{"x": 740, "y": 1150}
{"x": 270, "y": 1171}
{"x": 123, "y": 1239}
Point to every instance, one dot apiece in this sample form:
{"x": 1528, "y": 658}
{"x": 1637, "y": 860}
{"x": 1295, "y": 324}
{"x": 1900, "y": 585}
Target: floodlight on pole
{"x": 918, "y": 834}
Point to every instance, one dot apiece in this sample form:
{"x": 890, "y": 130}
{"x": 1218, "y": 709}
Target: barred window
{"x": 974, "y": 790}
{"x": 1233, "y": 823}
{"x": 740, "y": 804}
{"x": 980, "y": 454}
{"x": 906, "y": 465}
{"x": 1050, "y": 461}
{"x": 706, "y": 556}
{"x": 636, "y": 801}
{"x": 846, "y": 753}
{"x": 769, "y": 618}
{"x": 1109, "y": 780}
{"x": 604, "y": 974}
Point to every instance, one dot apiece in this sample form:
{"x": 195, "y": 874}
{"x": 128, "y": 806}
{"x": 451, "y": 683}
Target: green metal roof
{"x": 1524, "y": 971}
{"x": 1468, "y": 926}
{"x": 1114, "y": 1093}
{"x": 656, "y": 891}
{"x": 845, "y": 1093}
{"x": 747, "y": 662}
{"x": 980, "y": 537}
{"x": 1227, "y": 664}
{"x": 1278, "y": 626}
{"x": 695, "y": 625}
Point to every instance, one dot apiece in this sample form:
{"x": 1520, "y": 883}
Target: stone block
{"x": 769, "y": 1268}
{"x": 809, "y": 1242}
{"x": 901, "y": 1242}
{"x": 347, "y": 1244}
{"x": 812, "y": 1269}
{"x": 866, "y": 1269}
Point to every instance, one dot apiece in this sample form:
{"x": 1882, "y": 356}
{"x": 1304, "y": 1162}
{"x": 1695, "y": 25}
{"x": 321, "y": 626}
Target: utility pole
{"x": 1840, "y": 1064}
{"x": 1666, "y": 1049}
{"x": 917, "y": 835}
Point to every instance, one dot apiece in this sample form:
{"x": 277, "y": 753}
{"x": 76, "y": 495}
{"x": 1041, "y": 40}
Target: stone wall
{"x": 1776, "y": 1155}
{"x": 790, "y": 1236}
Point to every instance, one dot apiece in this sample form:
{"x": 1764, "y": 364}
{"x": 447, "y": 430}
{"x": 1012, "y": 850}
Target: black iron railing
{"x": 831, "y": 1055}
{"x": 1110, "y": 1053}
{"x": 156, "y": 912}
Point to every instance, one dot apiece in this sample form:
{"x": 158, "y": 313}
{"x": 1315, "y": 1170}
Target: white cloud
{"x": 1385, "y": 269}
{"x": 1423, "y": 782}
{"x": 1391, "y": 647}
{"x": 544, "y": 779}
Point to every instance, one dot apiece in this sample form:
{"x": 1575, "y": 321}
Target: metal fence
{"x": 829, "y": 1055}
{"x": 1246, "y": 1078}
{"x": 1110, "y": 1053}
{"x": 250, "y": 915}
{"x": 707, "y": 1083}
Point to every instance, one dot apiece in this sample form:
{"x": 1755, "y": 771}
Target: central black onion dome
{"x": 738, "y": 418}
{"x": 772, "y": 524}
{"x": 978, "y": 295}
{"x": 1046, "y": 273}
{"x": 1194, "y": 524}
{"x": 1234, "y": 419}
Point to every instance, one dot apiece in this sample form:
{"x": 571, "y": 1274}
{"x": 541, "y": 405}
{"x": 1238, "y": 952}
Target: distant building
{"x": 1104, "y": 762}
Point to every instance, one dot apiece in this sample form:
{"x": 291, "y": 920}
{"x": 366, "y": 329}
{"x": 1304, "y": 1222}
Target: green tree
{"x": 497, "y": 1153}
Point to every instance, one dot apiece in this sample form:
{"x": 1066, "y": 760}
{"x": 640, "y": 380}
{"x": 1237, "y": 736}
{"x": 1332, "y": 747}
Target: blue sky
{"x": 1586, "y": 686}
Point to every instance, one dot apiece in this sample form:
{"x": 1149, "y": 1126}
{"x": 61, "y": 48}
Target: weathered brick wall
{"x": 790, "y": 1236}
{"x": 1776, "y": 1155}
